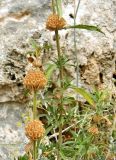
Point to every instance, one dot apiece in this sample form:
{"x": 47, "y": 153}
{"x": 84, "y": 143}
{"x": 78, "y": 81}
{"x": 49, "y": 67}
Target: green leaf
{"x": 33, "y": 43}
{"x": 59, "y": 7}
{"x": 87, "y": 27}
{"x": 19, "y": 124}
{"x": 26, "y": 92}
{"x": 49, "y": 70}
{"x": 85, "y": 94}
{"x": 67, "y": 152}
{"x": 63, "y": 156}
{"x": 49, "y": 129}
{"x": 23, "y": 157}
{"x": 36, "y": 47}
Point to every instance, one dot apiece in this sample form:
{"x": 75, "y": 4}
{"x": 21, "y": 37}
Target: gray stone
{"x": 21, "y": 20}
{"x": 12, "y": 138}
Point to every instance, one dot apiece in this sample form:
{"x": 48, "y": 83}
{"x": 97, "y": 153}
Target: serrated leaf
{"x": 85, "y": 95}
{"x": 86, "y": 27}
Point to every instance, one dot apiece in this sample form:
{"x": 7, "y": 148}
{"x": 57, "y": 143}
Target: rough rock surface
{"x": 21, "y": 20}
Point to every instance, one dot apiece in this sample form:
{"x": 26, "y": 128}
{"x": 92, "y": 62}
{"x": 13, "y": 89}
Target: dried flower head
{"x": 108, "y": 122}
{"x": 36, "y": 63}
{"x": 93, "y": 130}
{"x": 96, "y": 118}
{"x": 34, "y": 80}
{"x": 100, "y": 119}
{"x": 34, "y": 130}
{"x": 55, "y": 22}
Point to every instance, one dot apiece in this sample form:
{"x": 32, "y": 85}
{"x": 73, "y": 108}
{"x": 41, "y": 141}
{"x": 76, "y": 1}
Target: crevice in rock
{"x": 11, "y": 93}
{"x": 114, "y": 77}
{"x": 12, "y": 76}
{"x": 101, "y": 77}
{"x": 19, "y": 15}
{"x": 19, "y": 84}
{"x": 15, "y": 16}
{"x": 15, "y": 66}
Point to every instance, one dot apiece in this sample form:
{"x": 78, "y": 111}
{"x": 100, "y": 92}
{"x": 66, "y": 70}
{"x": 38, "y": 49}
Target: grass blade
{"x": 86, "y": 27}
{"x": 85, "y": 94}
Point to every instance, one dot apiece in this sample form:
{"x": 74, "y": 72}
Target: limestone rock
{"x": 22, "y": 20}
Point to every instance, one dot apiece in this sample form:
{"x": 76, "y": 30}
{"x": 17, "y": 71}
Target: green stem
{"x": 34, "y": 117}
{"x": 59, "y": 56}
{"x": 53, "y": 6}
{"x": 34, "y": 105}
{"x": 34, "y": 150}
{"x": 57, "y": 7}
{"x": 61, "y": 85}
{"x": 77, "y": 8}
{"x": 75, "y": 48}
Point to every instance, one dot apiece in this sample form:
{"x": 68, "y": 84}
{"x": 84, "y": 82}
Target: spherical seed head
{"x": 96, "y": 118}
{"x": 93, "y": 130}
{"x": 34, "y": 130}
{"x": 34, "y": 80}
{"x": 55, "y": 22}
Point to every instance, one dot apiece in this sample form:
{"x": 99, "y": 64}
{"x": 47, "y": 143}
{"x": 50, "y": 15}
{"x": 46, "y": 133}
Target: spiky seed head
{"x": 55, "y": 22}
{"x": 35, "y": 80}
{"x": 34, "y": 130}
{"x": 93, "y": 130}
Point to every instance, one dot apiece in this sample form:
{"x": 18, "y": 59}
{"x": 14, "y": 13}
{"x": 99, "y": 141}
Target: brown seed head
{"x": 55, "y": 22}
{"x": 96, "y": 118}
{"x": 34, "y": 80}
{"x": 34, "y": 130}
{"x": 93, "y": 130}
{"x": 36, "y": 63}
